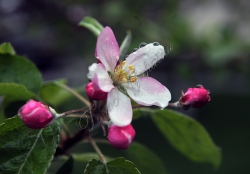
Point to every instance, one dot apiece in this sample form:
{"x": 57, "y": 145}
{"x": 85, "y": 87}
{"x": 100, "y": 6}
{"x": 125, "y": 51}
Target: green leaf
{"x": 145, "y": 160}
{"x": 92, "y": 24}
{"x": 67, "y": 167}
{"x": 54, "y": 94}
{"x": 125, "y": 45}
{"x": 23, "y": 151}
{"x": 13, "y": 94}
{"x": 19, "y": 92}
{"x": 6, "y": 48}
{"x": 188, "y": 136}
{"x": 118, "y": 165}
{"x": 139, "y": 112}
{"x": 17, "y": 69}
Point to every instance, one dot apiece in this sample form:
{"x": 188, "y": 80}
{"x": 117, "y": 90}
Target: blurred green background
{"x": 211, "y": 46}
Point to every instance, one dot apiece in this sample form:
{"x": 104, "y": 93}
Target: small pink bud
{"x": 35, "y": 115}
{"x": 194, "y": 97}
{"x": 95, "y": 94}
{"x": 121, "y": 137}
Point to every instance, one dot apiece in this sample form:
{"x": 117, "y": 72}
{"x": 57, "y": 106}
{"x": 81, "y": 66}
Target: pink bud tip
{"x": 121, "y": 137}
{"x": 95, "y": 94}
{"x": 195, "y": 97}
{"x": 35, "y": 115}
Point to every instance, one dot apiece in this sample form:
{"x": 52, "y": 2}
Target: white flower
{"x": 119, "y": 79}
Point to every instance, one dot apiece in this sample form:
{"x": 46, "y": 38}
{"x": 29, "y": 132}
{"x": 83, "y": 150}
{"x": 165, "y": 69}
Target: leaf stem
{"x": 76, "y": 94}
{"x": 98, "y": 151}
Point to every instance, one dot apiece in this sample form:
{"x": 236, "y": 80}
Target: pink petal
{"x": 148, "y": 91}
{"x": 107, "y": 49}
{"x": 100, "y": 77}
{"x": 145, "y": 57}
{"x": 119, "y": 108}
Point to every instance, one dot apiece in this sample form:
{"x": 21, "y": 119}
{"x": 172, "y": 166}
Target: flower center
{"x": 123, "y": 74}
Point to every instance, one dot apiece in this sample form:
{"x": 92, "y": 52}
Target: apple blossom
{"x": 120, "y": 79}
{"x": 121, "y": 137}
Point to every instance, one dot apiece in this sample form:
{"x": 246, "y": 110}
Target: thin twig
{"x": 76, "y": 94}
{"x": 98, "y": 151}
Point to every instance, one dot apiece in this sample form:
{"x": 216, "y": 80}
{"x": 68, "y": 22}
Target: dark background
{"x": 210, "y": 41}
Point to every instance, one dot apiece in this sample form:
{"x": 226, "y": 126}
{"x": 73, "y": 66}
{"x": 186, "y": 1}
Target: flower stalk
{"x": 76, "y": 94}
{"x": 98, "y": 151}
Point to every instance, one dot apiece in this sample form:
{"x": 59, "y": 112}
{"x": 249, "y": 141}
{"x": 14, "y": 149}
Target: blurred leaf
{"x": 145, "y": 160}
{"x": 15, "y": 91}
{"x": 15, "y": 94}
{"x": 92, "y": 24}
{"x": 17, "y": 69}
{"x": 6, "y": 48}
{"x": 188, "y": 136}
{"x": 118, "y": 165}
{"x": 85, "y": 157}
{"x": 139, "y": 112}
{"x": 23, "y": 151}
{"x": 54, "y": 94}
{"x": 67, "y": 167}
{"x": 220, "y": 54}
{"x": 125, "y": 45}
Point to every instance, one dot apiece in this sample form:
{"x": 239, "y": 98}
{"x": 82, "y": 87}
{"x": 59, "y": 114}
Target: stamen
{"x": 122, "y": 63}
{"x": 123, "y": 74}
{"x": 124, "y": 79}
{"x": 132, "y": 69}
{"x": 133, "y": 79}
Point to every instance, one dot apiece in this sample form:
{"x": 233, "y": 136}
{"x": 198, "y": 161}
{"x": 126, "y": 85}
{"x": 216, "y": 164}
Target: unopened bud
{"x": 121, "y": 137}
{"x": 194, "y": 98}
{"x": 36, "y": 115}
{"x": 95, "y": 94}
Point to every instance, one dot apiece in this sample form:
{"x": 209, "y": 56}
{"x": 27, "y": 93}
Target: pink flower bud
{"x": 35, "y": 115}
{"x": 121, "y": 137}
{"x": 95, "y": 94}
{"x": 194, "y": 97}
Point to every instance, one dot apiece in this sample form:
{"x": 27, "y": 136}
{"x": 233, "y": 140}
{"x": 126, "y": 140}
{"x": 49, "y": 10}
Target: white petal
{"x": 119, "y": 108}
{"x": 107, "y": 49}
{"x": 148, "y": 91}
{"x": 92, "y": 70}
{"x": 145, "y": 57}
{"x": 100, "y": 77}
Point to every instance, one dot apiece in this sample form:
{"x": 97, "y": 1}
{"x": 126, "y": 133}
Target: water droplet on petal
{"x": 143, "y": 44}
{"x": 156, "y": 44}
{"x": 134, "y": 50}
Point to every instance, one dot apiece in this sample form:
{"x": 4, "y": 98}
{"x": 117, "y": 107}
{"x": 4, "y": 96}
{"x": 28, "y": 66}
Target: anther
{"x": 133, "y": 79}
{"x": 132, "y": 69}
{"x": 124, "y": 79}
{"x": 122, "y": 63}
